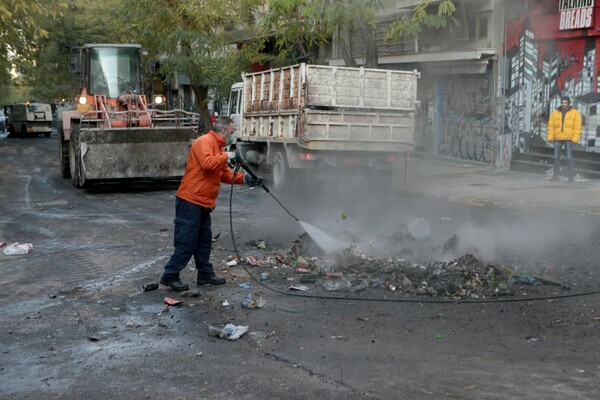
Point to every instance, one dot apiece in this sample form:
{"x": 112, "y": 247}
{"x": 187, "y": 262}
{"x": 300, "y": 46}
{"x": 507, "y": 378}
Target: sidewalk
{"x": 481, "y": 185}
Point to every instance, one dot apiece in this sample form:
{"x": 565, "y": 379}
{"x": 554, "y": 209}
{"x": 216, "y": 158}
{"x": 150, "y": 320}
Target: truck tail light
{"x": 306, "y": 156}
{"x": 391, "y": 157}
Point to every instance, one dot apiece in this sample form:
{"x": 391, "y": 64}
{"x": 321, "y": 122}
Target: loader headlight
{"x": 158, "y": 99}
{"x": 82, "y": 99}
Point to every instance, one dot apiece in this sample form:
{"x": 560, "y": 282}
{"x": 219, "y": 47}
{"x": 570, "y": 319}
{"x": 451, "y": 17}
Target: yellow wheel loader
{"x": 115, "y": 134}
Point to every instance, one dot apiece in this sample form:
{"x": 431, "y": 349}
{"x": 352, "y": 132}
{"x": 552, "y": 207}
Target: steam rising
{"x": 358, "y": 211}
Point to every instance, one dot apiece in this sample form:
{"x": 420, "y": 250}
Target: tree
{"x": 423, "y": 15}
{"x": 20, "y": 31}
{"x": 195, "y": 37}
{"x": 78, "y": 22}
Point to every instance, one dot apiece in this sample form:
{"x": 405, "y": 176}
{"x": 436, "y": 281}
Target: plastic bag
{"x": 18, "y": 249}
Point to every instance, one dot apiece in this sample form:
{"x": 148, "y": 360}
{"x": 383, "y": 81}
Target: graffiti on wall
{"x": 543, "y": 64}
{"x": 464, "y": 126}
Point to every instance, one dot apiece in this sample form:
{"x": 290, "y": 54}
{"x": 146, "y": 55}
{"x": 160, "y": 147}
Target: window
{"x": 482, "y": 31}
{"x": 478, "y": 27}
{"x": 593, "y": 110}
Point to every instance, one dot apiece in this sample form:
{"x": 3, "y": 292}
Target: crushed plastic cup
{"x": 17, "y": 248}
{"x": 230, "y": 331}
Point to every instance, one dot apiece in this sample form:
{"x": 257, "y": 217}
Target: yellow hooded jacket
{"x": 567, "y": 129}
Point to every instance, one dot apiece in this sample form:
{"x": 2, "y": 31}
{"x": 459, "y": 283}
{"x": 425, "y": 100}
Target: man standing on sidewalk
{"x": 564, "y": 129}
{"x": 206, "y": 169}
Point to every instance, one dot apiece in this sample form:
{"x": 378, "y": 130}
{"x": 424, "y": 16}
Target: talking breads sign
{"x": 576, "y": 14}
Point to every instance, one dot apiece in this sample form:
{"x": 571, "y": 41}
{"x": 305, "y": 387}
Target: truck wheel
{"x": 11, "y": 131}
{"x": 63, "y": 149}
{"x": 280, "y": 171}
{"x": 47, "y": 134}
{"x": 74, "y": 159}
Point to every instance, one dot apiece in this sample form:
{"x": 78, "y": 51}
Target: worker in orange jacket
{"x": 564, "y": 130}
{"x": 207, "y": 167}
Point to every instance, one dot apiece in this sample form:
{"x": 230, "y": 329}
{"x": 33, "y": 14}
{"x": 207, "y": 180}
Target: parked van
{"x": 28, "y": 119}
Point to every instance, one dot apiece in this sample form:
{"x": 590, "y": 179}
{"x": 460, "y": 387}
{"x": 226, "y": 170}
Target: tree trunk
{"x": 346, "y": 46}
{"x": 371, "y": 55}
{"x": 201, "y": 93}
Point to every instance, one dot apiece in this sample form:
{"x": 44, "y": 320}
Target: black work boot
{"x": 175, "y": 284}
{"x": 212, "y": 280}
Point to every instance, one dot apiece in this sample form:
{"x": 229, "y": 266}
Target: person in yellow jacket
{"x": 564, "y": 130}
{"x": 207, "y": 167}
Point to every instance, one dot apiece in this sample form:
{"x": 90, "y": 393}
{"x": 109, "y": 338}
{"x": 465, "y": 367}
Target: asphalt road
{"x": 76, "y": 324}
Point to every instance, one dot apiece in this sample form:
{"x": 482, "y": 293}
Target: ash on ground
{"x": 352, "y": 270}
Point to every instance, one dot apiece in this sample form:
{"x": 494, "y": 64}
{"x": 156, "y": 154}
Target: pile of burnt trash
{"x": 304, "y": 267}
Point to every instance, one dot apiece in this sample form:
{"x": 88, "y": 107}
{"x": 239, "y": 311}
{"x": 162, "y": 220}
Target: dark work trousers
{"x": 193, "y": 237}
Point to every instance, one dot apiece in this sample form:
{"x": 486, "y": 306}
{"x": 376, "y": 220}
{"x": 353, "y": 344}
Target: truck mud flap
{"x": 159, "y": 153}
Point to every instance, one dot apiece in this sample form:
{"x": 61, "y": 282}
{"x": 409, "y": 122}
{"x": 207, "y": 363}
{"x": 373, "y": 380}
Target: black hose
{"x": 352, "y": 298}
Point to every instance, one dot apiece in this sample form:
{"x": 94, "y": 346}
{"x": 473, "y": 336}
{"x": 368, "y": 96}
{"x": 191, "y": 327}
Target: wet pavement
{"x": 483, "y": 186}
{"x": 76, "y": 322}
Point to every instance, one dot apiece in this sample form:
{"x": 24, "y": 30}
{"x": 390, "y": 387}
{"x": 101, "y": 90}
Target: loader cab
{"x": 108, "y": 69}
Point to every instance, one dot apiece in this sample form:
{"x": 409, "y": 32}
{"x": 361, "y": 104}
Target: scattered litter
{"x": 245, "y": 286}
{"x": 230, "y": 331}
{"x": 226, "y": 303}
{"x": 362, "y": 285}
{"x": 231, "y": 263}
{"x": 526, "y": 280}
{"x": 214, "y": 239}
{"x": 150, "y": 286}
{"x": 2, "y": 244}
{"x": 469, "y": 387}
{"x": 190, "y": 293}
{"x": 249, "y": 303}
{"x": 252, "y": 260}
{"x": 439, "y": 337}
{"x": 336, "y": 284}
{"x": 301, "y": 263}
{"x": 364, "y": 318}
{"x": 303, "y": 270}
{"x": 309, "y": 278}
{"x": 334, "y": 275}
{"x": 264, "y": 276}
{"x": 533, "y": 338}
{"x": 18, "y": 249}
{"x": 390, "y": 285}
{"x": 301, "y": 288}
{"x": 340, "y": 337}
{"x": 172, "y": 302}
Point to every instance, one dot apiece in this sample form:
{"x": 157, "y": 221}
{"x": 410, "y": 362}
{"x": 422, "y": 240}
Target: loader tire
{"x": 75, "y": 159}
{"x": 63, "y": 149}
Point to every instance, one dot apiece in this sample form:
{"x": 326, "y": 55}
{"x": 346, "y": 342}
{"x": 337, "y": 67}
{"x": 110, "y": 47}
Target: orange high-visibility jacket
{"x": 569, "y": 130}
{"x": 206, "y": 169}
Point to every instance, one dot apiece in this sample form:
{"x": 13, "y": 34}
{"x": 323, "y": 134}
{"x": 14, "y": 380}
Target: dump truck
{"x": 309, "y": 120}
{"x": 29, "y": 118}
{"x": 115, "y": 133}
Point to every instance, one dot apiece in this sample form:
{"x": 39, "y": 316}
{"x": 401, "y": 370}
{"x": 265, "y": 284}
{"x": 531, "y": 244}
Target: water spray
{"x": 323, "y": 240}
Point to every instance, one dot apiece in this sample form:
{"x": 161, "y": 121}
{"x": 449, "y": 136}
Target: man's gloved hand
{"x": 233, "y": 157}
{"x": 250, "y": 181}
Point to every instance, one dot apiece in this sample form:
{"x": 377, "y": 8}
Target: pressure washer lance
{"x": 246, "y": 168}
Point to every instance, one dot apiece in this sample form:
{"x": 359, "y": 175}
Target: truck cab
{"x": 30, "y": 118}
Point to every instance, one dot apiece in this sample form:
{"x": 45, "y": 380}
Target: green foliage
{"x": 423, "y": 15}
{"x": 194, "y": 37}
{"x": 20, "y": 30}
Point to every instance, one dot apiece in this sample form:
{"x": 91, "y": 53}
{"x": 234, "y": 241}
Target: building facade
{"x": 488, "y": 86}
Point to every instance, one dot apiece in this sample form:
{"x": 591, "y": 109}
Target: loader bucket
{"x": 136, "y": 153}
